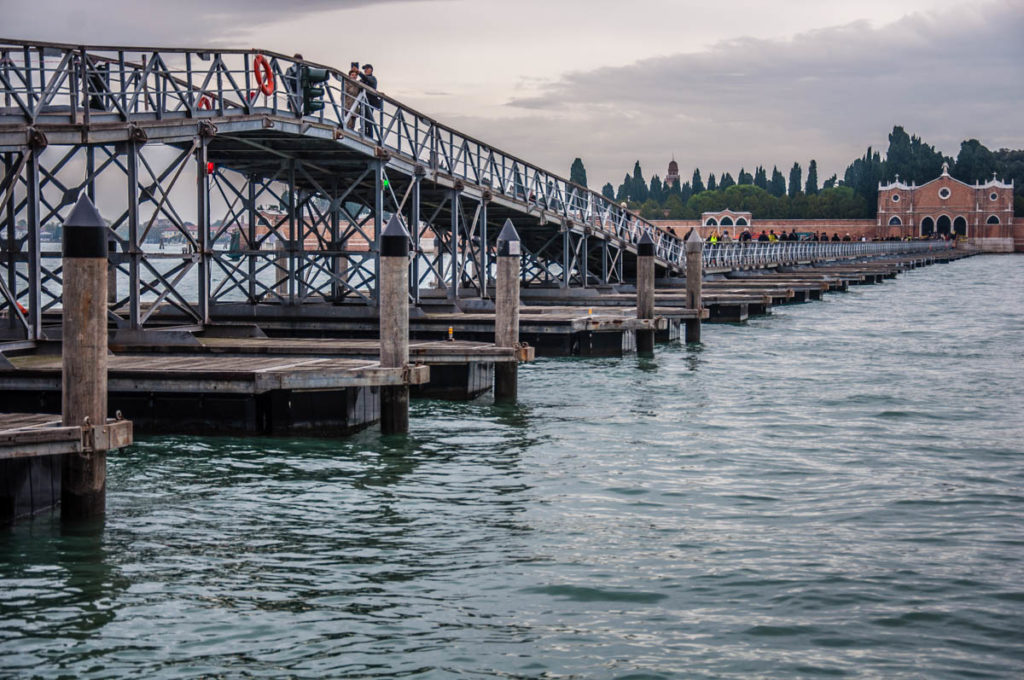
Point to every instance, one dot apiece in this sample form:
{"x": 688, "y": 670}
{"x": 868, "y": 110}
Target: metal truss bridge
{"x": 224, "y": 198}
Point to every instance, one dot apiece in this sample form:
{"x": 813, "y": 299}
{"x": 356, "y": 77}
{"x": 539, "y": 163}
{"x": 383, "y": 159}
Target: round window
{"x": 895, "y": 198}
{"x": 944, "y": 192}
{"x": 993, "y": 196}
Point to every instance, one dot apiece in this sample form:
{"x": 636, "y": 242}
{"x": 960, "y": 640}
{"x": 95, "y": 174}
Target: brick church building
{"x": 981, "y": 212}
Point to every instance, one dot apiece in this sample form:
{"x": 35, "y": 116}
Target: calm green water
{"x": 835, "y": 490}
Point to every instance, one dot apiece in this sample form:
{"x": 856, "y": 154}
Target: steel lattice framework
{"x": 223, "y": 198}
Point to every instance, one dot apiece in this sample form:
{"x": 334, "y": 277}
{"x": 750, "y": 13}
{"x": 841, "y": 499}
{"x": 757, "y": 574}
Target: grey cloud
{"x": 145, "y": 22}
{"x": 824, "y": 94}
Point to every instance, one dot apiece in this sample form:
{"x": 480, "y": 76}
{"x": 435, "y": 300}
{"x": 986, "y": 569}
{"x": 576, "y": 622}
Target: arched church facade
{"x": 981, "y": 212}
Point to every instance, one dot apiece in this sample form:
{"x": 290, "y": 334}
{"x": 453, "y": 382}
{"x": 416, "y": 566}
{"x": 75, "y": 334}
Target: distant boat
{"x": 235, "y": 247}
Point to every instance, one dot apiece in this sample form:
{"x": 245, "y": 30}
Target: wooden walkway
{"x": 428, "y": 352}
{"x": 223, "y": 375}
{"x": 219, "y": 394}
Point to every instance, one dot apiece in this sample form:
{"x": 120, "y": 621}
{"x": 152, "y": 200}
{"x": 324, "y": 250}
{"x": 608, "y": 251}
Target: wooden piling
{"x": 112, "y": 270}
{"x": 281, "y": 269}
{"x": 645, "y": 292}
{"x": 506, "y": 312}
{"x": 394, "y": 323}
{"x": 84, "y": 352}
{"x": 694, "y": 246}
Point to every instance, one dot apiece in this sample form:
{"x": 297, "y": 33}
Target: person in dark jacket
{"x": 763, "y": 236}
{"x": 292, "y": 85}
{"x": 373, "y": 101}
{"x": 835, "y": 236}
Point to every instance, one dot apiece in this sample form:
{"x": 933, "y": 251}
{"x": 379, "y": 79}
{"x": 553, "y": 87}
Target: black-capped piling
{"x": 84, "y": 352}
{"x": 694, "y": 246}
{"x": 394, "y": 323}
{"x": 506, "y": 311}
{"x": 645, "y": 292}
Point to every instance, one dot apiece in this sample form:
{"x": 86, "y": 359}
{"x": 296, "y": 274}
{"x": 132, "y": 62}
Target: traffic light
{"x": 312, "y": 95}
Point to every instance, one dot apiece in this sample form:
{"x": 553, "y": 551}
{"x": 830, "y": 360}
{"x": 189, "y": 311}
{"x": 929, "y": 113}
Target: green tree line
{"x": 772, "y": 196}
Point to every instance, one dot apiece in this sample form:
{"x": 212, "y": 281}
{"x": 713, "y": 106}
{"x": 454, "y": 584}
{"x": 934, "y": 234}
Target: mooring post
{"x": 112, "y": 269}
{"x": 84, "y": 351}
{"x": 694, "y": 246}
{"x": 394, "y": 323}
{"x": 645, "y": 292}
{"x": 281, "y": 269}
{"x": 506, "y": 312}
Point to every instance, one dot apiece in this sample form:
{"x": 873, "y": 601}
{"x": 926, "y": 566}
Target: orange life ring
{"x": 205, "y": 102}
{"x": 264, "y": 76}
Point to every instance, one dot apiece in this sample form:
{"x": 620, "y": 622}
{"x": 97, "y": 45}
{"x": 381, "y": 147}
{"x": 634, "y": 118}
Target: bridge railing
{"x": 80, "y": 85}
{"x": 85, "y": 84}
{"x": 756, "y": 253}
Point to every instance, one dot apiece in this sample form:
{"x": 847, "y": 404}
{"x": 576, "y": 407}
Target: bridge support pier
{"x": 645, "y": 292}
{"x": 506, "y": 312}
{"x": 694, "y": 247}
{"x": 394, "y": 323}
{"x": 84, "y": 351}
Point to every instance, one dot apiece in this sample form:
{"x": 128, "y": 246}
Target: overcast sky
{"x": 719, "y": 84}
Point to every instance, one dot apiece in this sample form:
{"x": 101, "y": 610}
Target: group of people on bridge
{"x": 770, "y": 236}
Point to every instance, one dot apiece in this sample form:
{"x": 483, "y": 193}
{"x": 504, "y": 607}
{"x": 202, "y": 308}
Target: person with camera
{"x": 373, "y": 100}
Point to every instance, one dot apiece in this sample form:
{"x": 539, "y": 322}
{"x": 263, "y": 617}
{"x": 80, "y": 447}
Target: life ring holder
{"x": 264, "y": 75}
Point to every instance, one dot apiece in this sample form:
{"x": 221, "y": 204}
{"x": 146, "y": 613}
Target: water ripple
{"x": 834, "y": 490}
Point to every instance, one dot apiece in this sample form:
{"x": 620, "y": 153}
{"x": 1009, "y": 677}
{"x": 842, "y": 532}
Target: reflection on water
{"x": 833, "y": 490}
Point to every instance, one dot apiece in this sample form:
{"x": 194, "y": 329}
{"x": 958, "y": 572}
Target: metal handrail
{"x": 38, "y": 78}
{"x": 137, "y": 84}
{"x": 739, "y": 255}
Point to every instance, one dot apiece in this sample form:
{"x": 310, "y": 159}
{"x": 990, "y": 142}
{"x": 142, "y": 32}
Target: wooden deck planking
{"x": 217, "y": 373}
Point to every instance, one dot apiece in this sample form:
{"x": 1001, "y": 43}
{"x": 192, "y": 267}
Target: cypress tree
{"x": 812, "y": 178}
{"x": 761, "y": 178}
{"x": 657, "y": 190}
{"x": 745, "y": 177}
{"x": 712, "y": 184}
{"x": 608, "y": 191}
{"x": 696, "y": 184}
{"x": 974, "y": 163}
{"x": 578, "y": 173}
{"x": 795, "y": 173}
{"x": 639, "y": 189}
{"x": 726, "y": 181}
{"x": 777, "y": 187}
{"x": 623, "y": 193}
